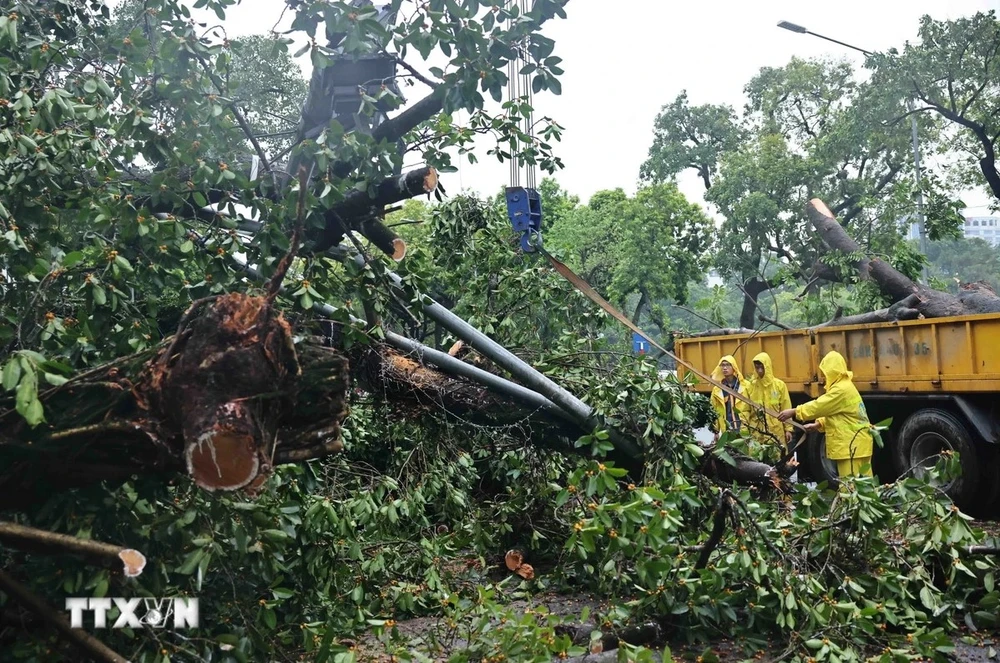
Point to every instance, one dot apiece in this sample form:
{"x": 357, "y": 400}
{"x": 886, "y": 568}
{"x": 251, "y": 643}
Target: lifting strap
{"x": 595, "y": 297}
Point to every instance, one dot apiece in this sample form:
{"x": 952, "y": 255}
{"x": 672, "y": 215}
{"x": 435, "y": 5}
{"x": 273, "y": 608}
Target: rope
{"x": 595, "y": 297}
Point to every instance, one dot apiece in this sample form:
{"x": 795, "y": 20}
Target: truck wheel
{"x": 813, "y": 451}
{"x": 925, "y": 434}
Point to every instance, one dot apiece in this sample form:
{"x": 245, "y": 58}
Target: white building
{"x": 983, "y": 227}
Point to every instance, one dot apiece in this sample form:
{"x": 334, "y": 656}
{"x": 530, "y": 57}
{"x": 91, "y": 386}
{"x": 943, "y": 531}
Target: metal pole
{"x": 920, "y": 192}
{"x": 447, "y": 362}
{"x": 579, "y": 412}
{"x": 458, "y": 367}
{"x": 443, "y": 360}
{"x": 838, "y": 42}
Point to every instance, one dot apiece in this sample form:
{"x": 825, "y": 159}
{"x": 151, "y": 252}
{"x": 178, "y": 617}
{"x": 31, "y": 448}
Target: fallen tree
{"x": 911, "y": 300}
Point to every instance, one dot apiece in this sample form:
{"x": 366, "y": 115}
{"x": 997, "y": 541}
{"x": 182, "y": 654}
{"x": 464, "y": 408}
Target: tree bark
{"x": 901, "y": 310}
{"x": 751, "y": 291}
{"x": 36, "y": 540}
{"x": 927, "y": 302}
{"x": 358, "y": 206}
{"x": 727, "y": 331}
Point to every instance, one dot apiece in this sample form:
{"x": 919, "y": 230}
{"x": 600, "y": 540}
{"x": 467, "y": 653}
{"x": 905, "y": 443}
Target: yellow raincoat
{"x": 841, "y": 414}
{"x": 772, "y": 393}
{"x": 719, "y": 398}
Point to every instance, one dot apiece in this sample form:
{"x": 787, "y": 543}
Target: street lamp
{"x": 793, "y": 27}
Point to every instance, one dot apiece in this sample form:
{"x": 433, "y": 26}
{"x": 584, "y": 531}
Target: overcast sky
{"x": 624, "y": 59}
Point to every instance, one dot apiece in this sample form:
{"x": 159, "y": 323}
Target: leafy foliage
{"x": 649, "y": 246}
{"x": 952, "y": 73}
{"x": 414, "y": 518}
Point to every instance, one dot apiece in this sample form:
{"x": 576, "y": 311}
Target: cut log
{"x": 222, "y": 400}
{"x": 221, "y": 448}
{"x": 384, "y": 238}
{"x": 898, "y": 287}
{"x": 235, "y": 351}
{"x": 37, "y": 540}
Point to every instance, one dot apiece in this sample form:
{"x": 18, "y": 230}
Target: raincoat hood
{"x": 765, "y": 359}
{"x": 834, "y": 369}
{"x": 717, "y": 373}
{"x": 719, "y": 377}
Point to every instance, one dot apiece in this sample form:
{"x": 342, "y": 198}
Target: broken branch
{"x": 27, "y": 538}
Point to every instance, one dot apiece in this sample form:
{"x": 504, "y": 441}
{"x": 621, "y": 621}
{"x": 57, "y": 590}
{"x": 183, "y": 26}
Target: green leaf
{"x": 123, "y": 264}
{"x": 191, "y": 562}
{"x": 34, "y": 414}
{"x": 55, "y": 380}
{"x": 11, "y": 373}
{"x": 72, "y": 259}
{"x": 27, "y": 390}
{"x": 100, "y": 296}
{"x": 90, "y": 86}
{"x": 270, "y": 619}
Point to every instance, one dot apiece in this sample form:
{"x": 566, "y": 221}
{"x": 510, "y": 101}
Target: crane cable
{"x": 518, "y": 87}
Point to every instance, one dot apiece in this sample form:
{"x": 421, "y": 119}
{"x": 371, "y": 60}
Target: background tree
{"x": 953, "y": 73}
{"x": 641, "y": 249}
{"x": 808, "y": 130}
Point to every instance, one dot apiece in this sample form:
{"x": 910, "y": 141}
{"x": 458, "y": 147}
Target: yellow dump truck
{"x": 938, "y": 379}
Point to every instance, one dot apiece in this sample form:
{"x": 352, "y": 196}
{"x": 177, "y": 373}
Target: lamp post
{"x": 793, "y": 27}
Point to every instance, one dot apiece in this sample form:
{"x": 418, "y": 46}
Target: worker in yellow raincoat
{"x": 841, "y": 414}
{"x": 730, "y": 411}
{"x": 764, "y": 388}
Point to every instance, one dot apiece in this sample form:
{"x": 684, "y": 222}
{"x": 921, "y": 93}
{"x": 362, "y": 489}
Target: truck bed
{"x": 940, "y": 355}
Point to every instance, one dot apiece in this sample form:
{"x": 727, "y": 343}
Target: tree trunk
{"x": 928, "y": 303}
{"x": 643, "y": 300}
{"x": 751, "y": 291}
{"x": 216, "y": 402}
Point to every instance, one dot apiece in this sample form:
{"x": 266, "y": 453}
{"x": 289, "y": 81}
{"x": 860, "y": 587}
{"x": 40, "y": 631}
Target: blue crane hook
{"x": 524, "y": 209}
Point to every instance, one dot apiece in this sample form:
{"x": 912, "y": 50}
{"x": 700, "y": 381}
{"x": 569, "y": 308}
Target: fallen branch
{"x": 360, "y": 205}
{"x": 77, "y": 637}
{"x": 27, "y": 538}
{"x": 904, "y": 309}
{"x": 722, "y": 511}
{"x": 983, "y": 550}
{"x": 779, "y": 325}
{"x": 737, "y": 331}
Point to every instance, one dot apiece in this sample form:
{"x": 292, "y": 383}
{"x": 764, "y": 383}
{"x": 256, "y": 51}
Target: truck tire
{"x": 821, "y": 468}
{"x": 928, "y": 432}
